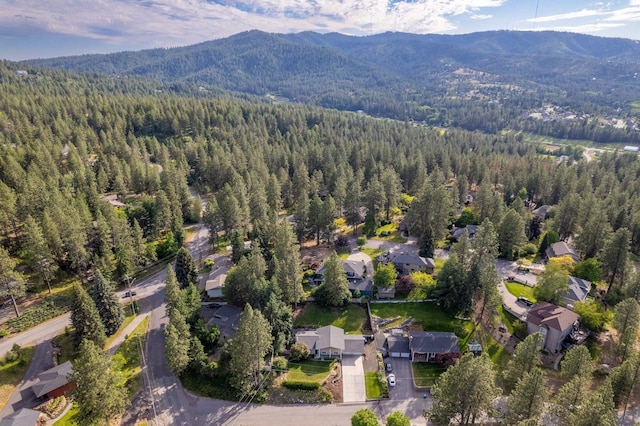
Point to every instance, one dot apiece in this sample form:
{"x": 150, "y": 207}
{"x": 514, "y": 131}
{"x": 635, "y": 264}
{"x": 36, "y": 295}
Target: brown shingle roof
{"x": 552, "y": 316}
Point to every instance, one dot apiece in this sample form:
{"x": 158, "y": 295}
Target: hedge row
{"x": 301, "y": 385}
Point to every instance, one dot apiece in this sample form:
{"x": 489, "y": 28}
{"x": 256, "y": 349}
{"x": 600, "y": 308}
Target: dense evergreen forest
{"x": 482, "y": 81}
{"x": 67, "y": 139}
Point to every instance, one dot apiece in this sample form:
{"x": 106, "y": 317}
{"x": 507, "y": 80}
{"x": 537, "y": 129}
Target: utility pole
{"x": 129, "y": 282}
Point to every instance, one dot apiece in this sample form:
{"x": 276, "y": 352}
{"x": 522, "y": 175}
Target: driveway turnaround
{"x": 353, "y": 389}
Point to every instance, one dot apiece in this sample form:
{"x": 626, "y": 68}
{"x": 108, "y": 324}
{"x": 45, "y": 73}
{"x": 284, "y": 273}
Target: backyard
{"x": 428, "y": 315}
{"x": 352, "y": 318}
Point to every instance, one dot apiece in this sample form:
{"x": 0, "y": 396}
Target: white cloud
{"x": 626, "y": 14}
{"x": 564, "y": 16}
{"x": 481, "y": 17}
{"x": 586, "y": 29}
{"x": 180, "y": 22}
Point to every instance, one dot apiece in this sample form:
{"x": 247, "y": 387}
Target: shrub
{"x": 295, "y": 385}
{"x": 404, "y": 285}
{"x": 341, "y": 244}
{"x": 361, "y": 241}
{"x": 530, "y": 249}
{"x": 299, "y": 351}
{"x": 592, "y": 315}
{"x": 4, "y": 333}
{"x": 279, "y": 364}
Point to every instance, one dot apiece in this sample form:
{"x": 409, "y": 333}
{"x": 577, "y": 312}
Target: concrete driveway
{"x": 510, "y": 302}
{"x": 403, "y": 389}
{"x": 353, "y": 389}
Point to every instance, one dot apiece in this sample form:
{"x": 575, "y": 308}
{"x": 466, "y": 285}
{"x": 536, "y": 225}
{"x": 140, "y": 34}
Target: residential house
{"x": 457, "y": 232}
{"x": 54, "y": 382}
{"x": 331, "y": 342}
{"x": 560, "y": 249}
{"x": 553, "y": 322}
{"x": 356, "y": 275}
{"x": 213, "y": 286}
{"x": 406, "y": 262}
{"x": 22, "y": 417}
{"x": 578, "y": 291}
{"x": 428, "y": 346}
{"x": 226, "y": 317}
{"x": 542, "y": 212}
{"x": 397, "y": 347}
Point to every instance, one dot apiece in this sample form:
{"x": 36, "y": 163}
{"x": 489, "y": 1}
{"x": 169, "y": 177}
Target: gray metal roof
{"x": 433, "y": 342}
{"x": 52, "y": 379}
{"x": 578, "y": 289}
{"x": 22, "y": 417}
{"x": 398, "y": 344}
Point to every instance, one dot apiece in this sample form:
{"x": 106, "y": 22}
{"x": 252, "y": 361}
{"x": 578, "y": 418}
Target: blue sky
{"x": 49, "y": 28}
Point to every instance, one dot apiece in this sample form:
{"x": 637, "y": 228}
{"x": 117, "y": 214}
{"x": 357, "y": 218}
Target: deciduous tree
{"x": 364, "y": 417}
{"x": 552, "y": 284}
{"x": 397, "y": 419}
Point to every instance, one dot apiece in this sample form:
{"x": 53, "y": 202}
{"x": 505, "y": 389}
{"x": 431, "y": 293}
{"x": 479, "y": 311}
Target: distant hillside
{"x": 435, "y": 78}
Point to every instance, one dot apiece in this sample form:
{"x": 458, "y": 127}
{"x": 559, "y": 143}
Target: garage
{"x": 398, "y": 347}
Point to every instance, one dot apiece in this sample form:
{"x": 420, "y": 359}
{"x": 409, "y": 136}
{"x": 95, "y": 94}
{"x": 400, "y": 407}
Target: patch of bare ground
{"x": 312, "y": 256}
{"x": 370, "y": 357}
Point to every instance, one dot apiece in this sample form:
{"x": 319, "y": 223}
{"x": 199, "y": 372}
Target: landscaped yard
{"x": 520, "y": 290}
{"x": 127, "y": 357}
{"x": 426, "y": 373}
{"x": 373, "y": 254}
{"x": 507, "y": 318}
{"x": 69, "y": 419}
{"x": 352, "y": 318}
{"x": 393, "y": 234}
{"x": 429, "y": 315}
{"x": 309, "y": 370}
{"x": 372, "y": 385}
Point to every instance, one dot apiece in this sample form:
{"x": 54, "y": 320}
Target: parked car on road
{"x": 130, "y": 294}
{"x": 389, "y": 368}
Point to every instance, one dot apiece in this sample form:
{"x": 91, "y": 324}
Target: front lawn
{"x": 507, "y": 318}
{"x": 352, "y": 318}
{"x": 309, "y": 370}
{"x": 520, "y": 290}
{"x": 429, "y": 315}
{"x": 372, "y": 385}
{"x": 426, "y": 373}
{"x": 390, "y": 232}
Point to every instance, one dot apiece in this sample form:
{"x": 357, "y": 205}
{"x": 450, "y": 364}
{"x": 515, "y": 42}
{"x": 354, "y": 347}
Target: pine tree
{"x": 596, "y": 409}
{"x": 528, "y": 397}
{"x": 626, "y": 320}
{"x": 38, "y": 253}
{"x": 177, "y": 342}
{"x": 287, "y": 263}
{"x": 465, "y": 392}
{"x": 525, "y": 358}
{"x": 511, "y": 234}
{"x": 614, "y": 256}
{"x": 248, "y": 348}
{"x": 185, "y": 268}
{"x": 335, "y": 286}
{"x": 577, "y": 361}
{"x": 86, "y": 319}
{"x": 12, "y": 282}
{"x": 106, "y": 301}
{"x": 100, "y": 393}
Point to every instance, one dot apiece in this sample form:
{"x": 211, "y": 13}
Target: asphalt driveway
{"x": 403, "y": 389}
{"x": 353, "y": 389}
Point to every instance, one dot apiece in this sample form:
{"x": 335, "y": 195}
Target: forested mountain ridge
{"x": 480, "y": 81}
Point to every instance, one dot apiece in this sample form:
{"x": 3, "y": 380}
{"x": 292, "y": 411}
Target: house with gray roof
{"x": 407, "y": 262}
{"x": 397, "y": 347}
{"x": 542, "y": 212}
{"x": 54, "y": 382}
{"x": 555, "y": 323}
{"x": 457, "y": 232}
{"x": 331, "y": 342}
{"x": 22, "y": 417}
{"x": 356, "y": 276}
{"x": 213, "y": 286}
{"x": 560, "y": 249}
{"x": 428, "y": 346}
{"x": 578, "y": 291}
{"x": 226, "y": 317}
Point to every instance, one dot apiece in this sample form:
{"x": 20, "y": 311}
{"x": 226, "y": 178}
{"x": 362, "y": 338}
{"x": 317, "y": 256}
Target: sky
{"x": 50, "y": 28}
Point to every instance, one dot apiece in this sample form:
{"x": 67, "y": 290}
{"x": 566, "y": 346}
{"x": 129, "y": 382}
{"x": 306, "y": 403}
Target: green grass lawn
{"x": 373, "y": 254}
{"x": 127, "y": 357}
{"x": 429, "y": 315}
{"x": 12, "y": 371}
{"x": 520, "y": 290}
{"x": 126, "y": 322}
{"x": 351, "y": 318}
{"x": 394, "y": 235}
{"x": 507, "y": 318}
{"x": 372, "y": 385}
{"x": 309, "y": 370}
{"x": 69, "y": 419}
{"x": 426, "y": 373}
